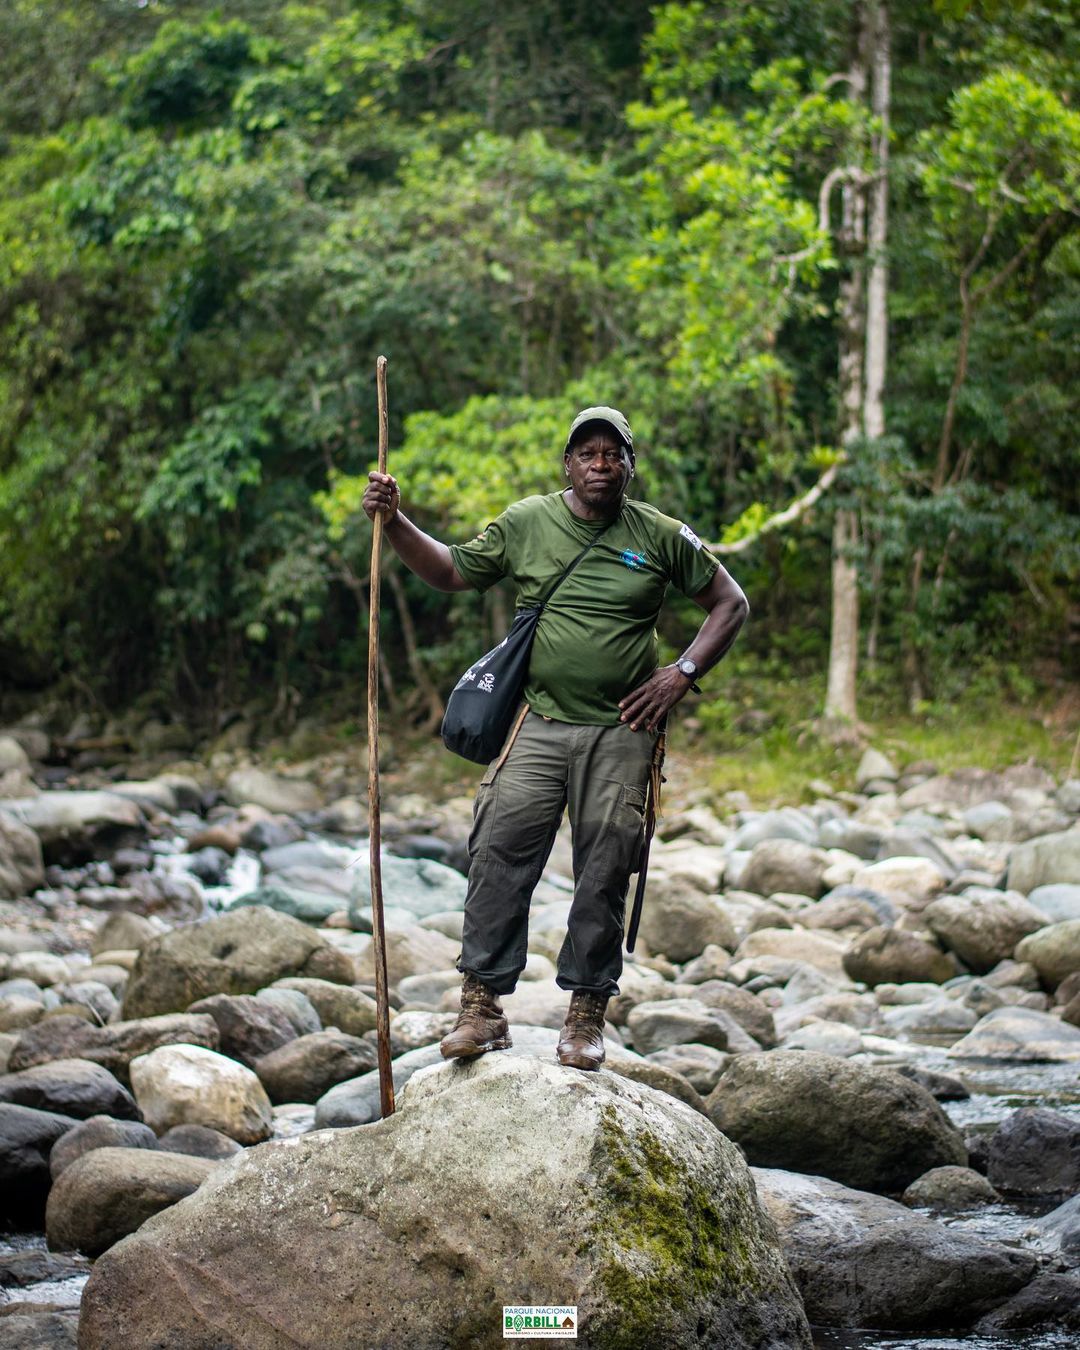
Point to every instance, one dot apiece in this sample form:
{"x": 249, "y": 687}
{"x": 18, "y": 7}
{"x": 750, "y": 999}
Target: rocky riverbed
{"x": 842, "y": 1090}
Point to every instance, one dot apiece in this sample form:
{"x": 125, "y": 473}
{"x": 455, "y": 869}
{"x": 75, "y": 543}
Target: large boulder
{"x": 238, "y": 952}
{"x": 98, "y": 1132}
{"x": 409, "y": 951}
{"x": 76, "y": 826}
{"x": 785, "y": 865}
{"x": 110, "y": 1192}
{"x": 863, "y": 1261}
{"x": 677, "y": 1021}
{"x": 308, "y": 1066}
{"x": 27, "y": 1138}
{"x": 982, "y": 926}
{"x": 21, "y": 867}
{"x": 866, "y": 1127}
{"x": 113, "y": 1046}
{"x": 497, "y": 1175}
{"x": 1022, "y": 1035}
{"x": 893, "y": 956}
{"x": 289, "y": 796}
{"x": 793, "y": 944}
{"x": 338, "y": 1005}
{"x": 1036, "y": 1152}
{"x": 185, "y": 1084}
{"x": 125, "y": 931}
{"x": 681, "y": 921}
{"x": 247, "y": 1027}
{"x": 420, "y": 886}
{"x": 71, "y": 1087}
{"x": 1041, "y": 861}
{"x": 1054, "y": 951}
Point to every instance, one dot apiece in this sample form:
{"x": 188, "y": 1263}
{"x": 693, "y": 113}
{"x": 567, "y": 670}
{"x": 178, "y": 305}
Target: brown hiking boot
{"x": 581, "y": 1041}
{"x": 480, "y": 1024}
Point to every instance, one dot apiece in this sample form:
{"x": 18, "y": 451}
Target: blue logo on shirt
{"x": 635, "y": 561}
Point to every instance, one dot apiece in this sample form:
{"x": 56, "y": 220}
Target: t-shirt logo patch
{"x": 688, "y": 533}
{"x": 635, "y": 561}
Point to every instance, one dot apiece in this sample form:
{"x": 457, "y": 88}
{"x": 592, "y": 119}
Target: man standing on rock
{"x": 596, "y": 701}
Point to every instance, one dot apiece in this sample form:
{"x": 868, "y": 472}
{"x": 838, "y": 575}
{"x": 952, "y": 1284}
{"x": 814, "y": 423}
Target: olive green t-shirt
{"x": 596, "y": 640}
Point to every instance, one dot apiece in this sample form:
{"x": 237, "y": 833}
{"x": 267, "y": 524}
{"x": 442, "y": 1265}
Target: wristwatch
{"x": 688, "y": 667}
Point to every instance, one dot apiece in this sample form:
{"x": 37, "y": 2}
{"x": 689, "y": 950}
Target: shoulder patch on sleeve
{"x": 688, "y": 533}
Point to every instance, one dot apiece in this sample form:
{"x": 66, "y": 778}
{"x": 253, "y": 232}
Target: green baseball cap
{"x": 610, "y": 417}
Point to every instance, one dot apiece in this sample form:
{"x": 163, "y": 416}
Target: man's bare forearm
{"x": 427, "y": 557}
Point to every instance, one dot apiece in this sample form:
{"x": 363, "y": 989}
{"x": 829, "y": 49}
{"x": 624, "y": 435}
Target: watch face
{"x": 687, "y": 667}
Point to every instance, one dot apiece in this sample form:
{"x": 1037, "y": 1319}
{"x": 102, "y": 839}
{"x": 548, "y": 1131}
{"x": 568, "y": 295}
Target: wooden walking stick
{"x": 378, "y": 937}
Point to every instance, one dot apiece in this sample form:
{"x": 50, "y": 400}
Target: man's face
{"x": 599, "y": 468}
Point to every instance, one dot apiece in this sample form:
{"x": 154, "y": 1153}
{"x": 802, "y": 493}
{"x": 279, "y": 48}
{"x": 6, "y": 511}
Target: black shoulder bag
{"x": 483, "y": 704}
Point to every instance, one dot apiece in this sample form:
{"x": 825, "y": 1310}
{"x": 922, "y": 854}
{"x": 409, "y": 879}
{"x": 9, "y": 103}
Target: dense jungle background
{"x": 825, "y": 256}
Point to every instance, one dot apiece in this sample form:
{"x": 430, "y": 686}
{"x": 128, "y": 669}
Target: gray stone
{"x": 909, "y": 883}
{"x": 34, "y": 1326}
{"x": 677, "y": 1021}
{"x": 296, "y": 1006}
{"x": 409, "y": 1030}
{"x": 111, "y": 1192}
{"x": 97, "y": 998}
{"x": 892, "y": 956}
{"x": 17, "y": 1012}
{"x": 1059, "y": 1231}
{"x": 247, "y": 1027}
{"x": 307, "y": 1067}
{"x": 113, "y": 1046}
{"x": 186, "y": 1084}
{"x": 287, "y": 796}
{"x": 947, "y": 1189}
{"x": 1068, "y": 796}
{"x": 306, "y": 906}
{"x": 874, "y": 765}
{"x": 427, "y": 1206}
{"x": 825, "y": 1038}
{"x": 239, "y": 952}
{"x": 784, "y": 865}
{"x": 22, "y": 870}
{"x": 789, "y": 822}
{"x": 419, "y": 885}
{"x": 796, "y": 1108}
{"x": 77, "y": 825}
{"x": 938, "y": 1017}
{"x": 98, "y": 1132}
{"x": 27, "y": 1137}
{"x": 199, "y": 1141}
{"x": 1058, "y": 901}
{"x": 69, "y": 1087}
{"x": 338, "y": 1005}
{"x": 982, "y": 926}
{"x": 1050, "y": 1303}
{"x": 409, "y": 951}
{"x": 823, "y": 953}
{"x": 700, "y": 1065}
{"x": 989, "y": 820}
{"x": 1046, "y": 860}
{"x": 125, "y": 932}
{"x": 1054, "y": 951}
{"x": 1022, "y": 1035}
{"x": 679, "y": 920}
{"x": 426, "y": 991}
{"x": 746, "y": 1008}
{"x": 863, "y": 1261}
{"x": 1036, "y": 1151}
{"x": 44, "y": 968}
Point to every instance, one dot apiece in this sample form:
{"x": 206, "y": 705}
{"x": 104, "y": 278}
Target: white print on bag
{"x": 688, "y": 533}
{"x": 487, "y": 684}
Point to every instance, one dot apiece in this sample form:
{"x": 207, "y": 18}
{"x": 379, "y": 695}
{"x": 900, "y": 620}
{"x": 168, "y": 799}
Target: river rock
{"x": 411, "y": 1029}
{"x": 864, "y": 1261}
{"x": 700, "y": 1065}
{"x": 27, "y": 1138}
{"x": 943, "y": 1087}
{"x": 113, "y": 1046}
{"x": 199, "y": 1141}
{"x": 185, "y": 1084}
{"x": 947, "y": 1189}
{"x": 982, "y": 926}
{"x": 784, "y": 865}
{"x": 307, "y": 1067}
{"x": 238, "y": 952}
{"x": 409, "y": 951}
{"x": 638, "y": 1212}
{"x": 746, "y": 1008}
{"x": 1045, "y": 860}
{"x": 936, "y": 1017}
{"x": 247, "y": 1027}
{"x": 296, "y": 1006}
{"x": 825, "y": 1038}
{"x": 874, "y": 765}
{"x": 43, "y": 968}
{"x": 76, "y": 826}
{"x": 16, "y": 774}
{"x": 892, "y": 956}
{"x": 1059, "y": 1231}
{"x": 909, "y": 883}
{"x": 17, "y": 1012}
{"x": 97, "y": 998}
{"x": 111, "y": 1192}
{"x": 22, "y": 869}
{"x": 795, "y": 1108}
{"x": 307, "y": 906}
{"x": 125, "y": 932}
{"x": 1022, "y": 1035}
{"x": 285, "y": 796}
{"x": 677, "y": 1021}
{"x": 70, "y": 1087}
{"x": 813, "y": 949}
{"x": 700, "y": 865}
{"x": 788, "y": 822}
{"x": 680, "y": 921}
{"x": 1054, "y": 951}
{"x": 1051, "y": 1302}
{"x": 419, "y": 885}
{"x": 1058, "y": 901}
{"x": 1036, "y": 1152}
{"x": 426, "y": 991}
{"x": 98, "y": 1132}
{"x": 338, "y": 1005}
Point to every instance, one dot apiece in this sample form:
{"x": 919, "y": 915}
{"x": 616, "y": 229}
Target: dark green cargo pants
{"x": 600, "y": 775}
